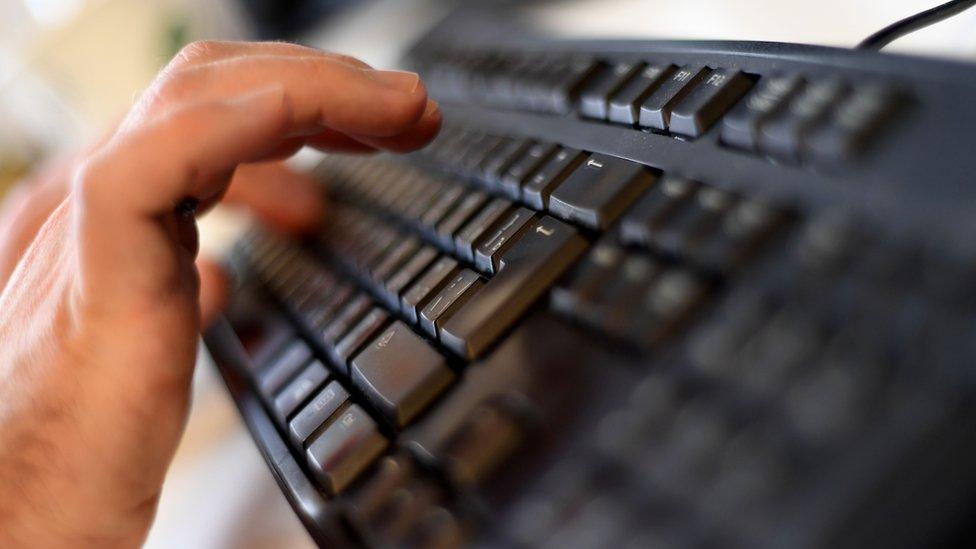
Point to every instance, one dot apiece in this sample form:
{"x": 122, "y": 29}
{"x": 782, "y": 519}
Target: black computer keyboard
{"x": 636, "y": 294}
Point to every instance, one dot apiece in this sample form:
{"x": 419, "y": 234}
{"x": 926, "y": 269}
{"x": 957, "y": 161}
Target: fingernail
{"x": 404, "y": 81}
{"x": 432, "y": 110}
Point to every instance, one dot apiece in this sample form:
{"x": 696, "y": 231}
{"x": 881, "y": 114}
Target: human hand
{"x": 100, "y": 317}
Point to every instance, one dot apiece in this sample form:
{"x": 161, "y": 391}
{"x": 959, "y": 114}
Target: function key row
{"x": 789, "y": 117}
{"x": 546, "y": 84}
{"x": 795, "y": 119}
{"x": 682, "y": 100}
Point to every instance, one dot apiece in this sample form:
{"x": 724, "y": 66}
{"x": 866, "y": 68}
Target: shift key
{"x": 526, "y": 270}
{"x": 601, "y": 189}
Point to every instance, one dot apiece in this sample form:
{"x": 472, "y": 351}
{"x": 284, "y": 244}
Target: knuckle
{"x": 176, "y": 84}
{"x": 84, "y": 180}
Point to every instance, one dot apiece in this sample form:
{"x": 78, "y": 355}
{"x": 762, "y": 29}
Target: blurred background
{"x": 70, "y": 67}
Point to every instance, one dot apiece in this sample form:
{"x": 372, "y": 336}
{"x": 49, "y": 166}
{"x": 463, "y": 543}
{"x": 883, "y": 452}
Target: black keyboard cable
{"x": 911, "y": 24}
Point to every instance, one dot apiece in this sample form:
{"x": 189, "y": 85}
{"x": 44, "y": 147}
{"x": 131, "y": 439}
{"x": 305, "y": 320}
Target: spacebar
{"x": 526, "y": 271}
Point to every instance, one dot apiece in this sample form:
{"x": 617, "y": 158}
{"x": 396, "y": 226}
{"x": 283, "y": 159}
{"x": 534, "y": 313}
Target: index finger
{"x": 323, "y": 92}
{"x": 191, "y": 151}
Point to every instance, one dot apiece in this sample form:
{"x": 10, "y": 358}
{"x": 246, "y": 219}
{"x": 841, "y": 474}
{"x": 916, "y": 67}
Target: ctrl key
{"x": 344, "y": 449}
{"x": 316, "y": 412}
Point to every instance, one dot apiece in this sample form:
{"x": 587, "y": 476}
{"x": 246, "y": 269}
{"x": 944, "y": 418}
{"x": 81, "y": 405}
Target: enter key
{"x": 525, "y": 272}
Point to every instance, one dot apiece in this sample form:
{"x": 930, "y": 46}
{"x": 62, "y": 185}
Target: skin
{"x": 102, "y": 301}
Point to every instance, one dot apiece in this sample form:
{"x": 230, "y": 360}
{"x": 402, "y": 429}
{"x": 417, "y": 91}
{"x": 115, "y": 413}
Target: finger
{"x": 289, "y": 201}
{"x": 214, "y": 290}
{"x": 421, "y": 134}
{"x": 189, "y": 153}
{"x": 326, "y": 140}
{"x": 323, "y": 93}
{"x": 208, "y": 51}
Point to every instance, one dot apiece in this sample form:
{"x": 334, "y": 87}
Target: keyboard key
{"x": 439, "y": 527}
{"x": 537, "y": 189}
{"x": 388, "y": 238}
{"x": 599, "y": 191}
{"x": 407, "y": 274}
{"x": 589, "y": 284}
{"x": 344, "y": 449}
{"x": 526, "y": 270}
{"x": 708, "y": 101}
{"x": 847, "y": 130}
{"x": 348, "y": 317}
{"x": 441, "y": 207}
{"x": 490, "y": 248}
{"x": 430, "y": 191}
{"x": 333, "y": 303}
{"x": 400, "y": 373}
{"x": 783, "y": 133}
{"x": 490, "y": 434}
{"x": 472, "y": 148}
{"x": 433, "y": 279}
{"x": 625, "y": 104}
{"x": 740, "y": 128}
{"x": 272, "y": 343}
{"x": 745, "y": 227}
{"x": 465, "y": 210}
{"x": 566, "y": 87}
{"x": 668, "y": 303}
{"x": 536, "y": 91}
{"x": 595, "y": 98}
{"x": 654, "y": 209}
{"x": 415, "y": 188}
{"x": 299, "y": 389}
{"x": 289, "y": 363}
{"x": 451, "y": 296}
{"x": 499, "y": 162}
{"x": 477, "y": 154}
{"x": 478, "y": 226}
{"x": 684, "y": 232}
{"x": 518, "y": 172}
{"x": 615, "y": 310}
{"x": 655, "y": 112}
{"x": 390, "y": 475}
{"x": 500, "y": 86}
{"x": 401, "y": 516}
{"x": 317, "y": 412}
{"x": 373, "y": 322}
{"x": 392, "y": 194}
{"x": 397, "y": 256}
